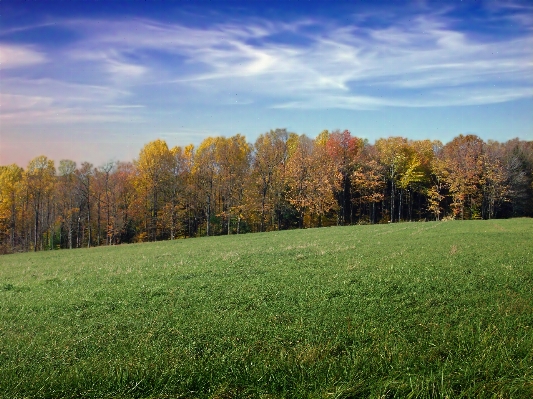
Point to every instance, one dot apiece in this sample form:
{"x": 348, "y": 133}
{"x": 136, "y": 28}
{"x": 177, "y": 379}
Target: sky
{"x": 97, "y": 80}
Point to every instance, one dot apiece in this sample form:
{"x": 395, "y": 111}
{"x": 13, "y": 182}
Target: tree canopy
{"x": 282, "y": 181}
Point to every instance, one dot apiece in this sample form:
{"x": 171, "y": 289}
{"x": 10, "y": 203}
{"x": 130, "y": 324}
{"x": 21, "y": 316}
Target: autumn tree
{"x": 84, "y": 192}
{"x": 233, "y": 160}
{"x": 124, "y": 217}
{"x": 173, "y": 214}
{"x": 494, "y": 187}
{"x": 268, "y": 168}
{"x": 66, "y": 198}
{"x": 103, "y": 188}
{"x": 311, "y": 178}
{"x": 343, "y": 149}
{"x": 393, "y": 157}
{"x": 154, "y": 171}
{"x": 463, "y": 157}
{"x": 517, "y": 159}
{"x": 284, "y": 180}
{"x": 10, "y": 185}
{"x": 39, "y": 177}
{"x": 438, "y": 178}
{"x": 189, "y": 193}
{"x": 205, "y": 172}
{"x": 325, "y": 180}
{"x": 299, "y": 174}
{"x": 415, "y": 176}
{"x": 368, "y": 182}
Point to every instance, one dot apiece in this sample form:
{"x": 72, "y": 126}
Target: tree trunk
{"x": 36, "y": 231}
{"x": 262, "y": 214}
{"x": 78, "y": 233}
{"x": 99, "y": 221}
{"x": 88, "y": 225}
{"x": 13, "y": 221}
{"x": 392, "y": 201}
{"x": 208, "y": 216}
{"x": 400, "y": 206}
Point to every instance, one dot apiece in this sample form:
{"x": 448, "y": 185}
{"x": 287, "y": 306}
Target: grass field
{"x": 414, "y": 310}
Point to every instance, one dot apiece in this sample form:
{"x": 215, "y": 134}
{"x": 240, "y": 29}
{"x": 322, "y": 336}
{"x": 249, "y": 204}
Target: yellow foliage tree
{"x": 154, "y": 171}
{"x": 10, "y": 184}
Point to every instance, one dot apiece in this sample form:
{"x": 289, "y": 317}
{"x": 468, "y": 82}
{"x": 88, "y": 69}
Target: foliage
{"x": 282, "y": 181}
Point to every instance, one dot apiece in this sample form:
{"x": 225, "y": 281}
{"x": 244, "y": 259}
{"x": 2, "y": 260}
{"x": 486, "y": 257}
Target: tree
{"x": 205, "y": 172}
{"x": 172, "y": 215}
{"x": 517, "y": 159}
{"x": 325, "y": 180}
{"x": 103, "y": 192}
{"x": 299, "y": 175}
{"x": 393, "y": 157}
{"x": 154, "y": 168}
{"x": 268, "y": 168}
{"x": 463, "y": 158}
{"x": 343, "y": 149}
{"x": 438, "y": 181}
{"x": 10, "y": 181}
{"x": 190, "y": 191}
{"x": 369, "y": 181}
{"x": 66, "y": 198}
{"x": 84, "y": 187}
{"x": 233, "y": 159}
{"x": 124, "y": 217}
{"x": 494, "y": 187}
{"x": 39, "y": 178}
{"x": 284, "y": 180}
{"x": 415, "y": 177}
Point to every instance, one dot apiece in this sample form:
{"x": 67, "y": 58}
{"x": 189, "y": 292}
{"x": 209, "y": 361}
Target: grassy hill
{"x": 404, "y": 310}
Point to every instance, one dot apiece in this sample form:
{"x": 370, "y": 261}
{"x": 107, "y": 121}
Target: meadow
{"x": 408, "y": 310}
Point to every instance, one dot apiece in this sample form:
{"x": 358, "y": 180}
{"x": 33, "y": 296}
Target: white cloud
{"x": 426, "y": 57}
{"x": 62, "y": 91}
{"x": 125, "y": 70}
{"x": 336, "y": 101}
{"x": 10, "y": 102}
{"x": 358, "y": 66}
{"x": 52, "y": 101}
{"x": 16, "y": 56}
{"x": 124, "y": 106}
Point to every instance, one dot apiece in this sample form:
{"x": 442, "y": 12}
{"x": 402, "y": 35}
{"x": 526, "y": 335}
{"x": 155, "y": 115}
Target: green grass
{"x": 414, "y": 310}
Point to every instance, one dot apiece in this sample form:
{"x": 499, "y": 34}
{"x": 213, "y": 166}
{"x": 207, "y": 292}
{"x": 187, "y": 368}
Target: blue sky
{"x": 96, "y": 80}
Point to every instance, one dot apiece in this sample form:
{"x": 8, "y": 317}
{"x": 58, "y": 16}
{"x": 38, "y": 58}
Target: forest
{"x": 282, "y": 181}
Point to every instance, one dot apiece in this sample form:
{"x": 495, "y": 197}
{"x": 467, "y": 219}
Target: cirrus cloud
{"x": 16, "y": 56}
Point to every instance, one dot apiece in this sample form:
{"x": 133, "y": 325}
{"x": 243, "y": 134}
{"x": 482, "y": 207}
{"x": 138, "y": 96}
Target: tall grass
{"x": 420, "y": 310}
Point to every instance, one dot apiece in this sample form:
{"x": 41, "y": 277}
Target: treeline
{"x": 282, "y": 181}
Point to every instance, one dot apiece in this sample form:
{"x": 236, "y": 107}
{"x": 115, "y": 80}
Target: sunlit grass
{"x": 404, "y": 310}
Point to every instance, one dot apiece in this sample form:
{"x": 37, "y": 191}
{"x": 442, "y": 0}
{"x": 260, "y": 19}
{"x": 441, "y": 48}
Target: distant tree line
{"x": 282, "y": 181}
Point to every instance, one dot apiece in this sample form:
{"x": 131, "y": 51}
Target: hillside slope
{"x": 423, "y": 309}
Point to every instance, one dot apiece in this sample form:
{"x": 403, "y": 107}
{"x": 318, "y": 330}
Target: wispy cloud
{"x": 416, "y": 60}
{"x": 115, "y": 82}
{"x": 124, "y": 106}
{"x": 340, "y": 62}
{"x": 16, "y": 56}
{"x": 51, "y": 101}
